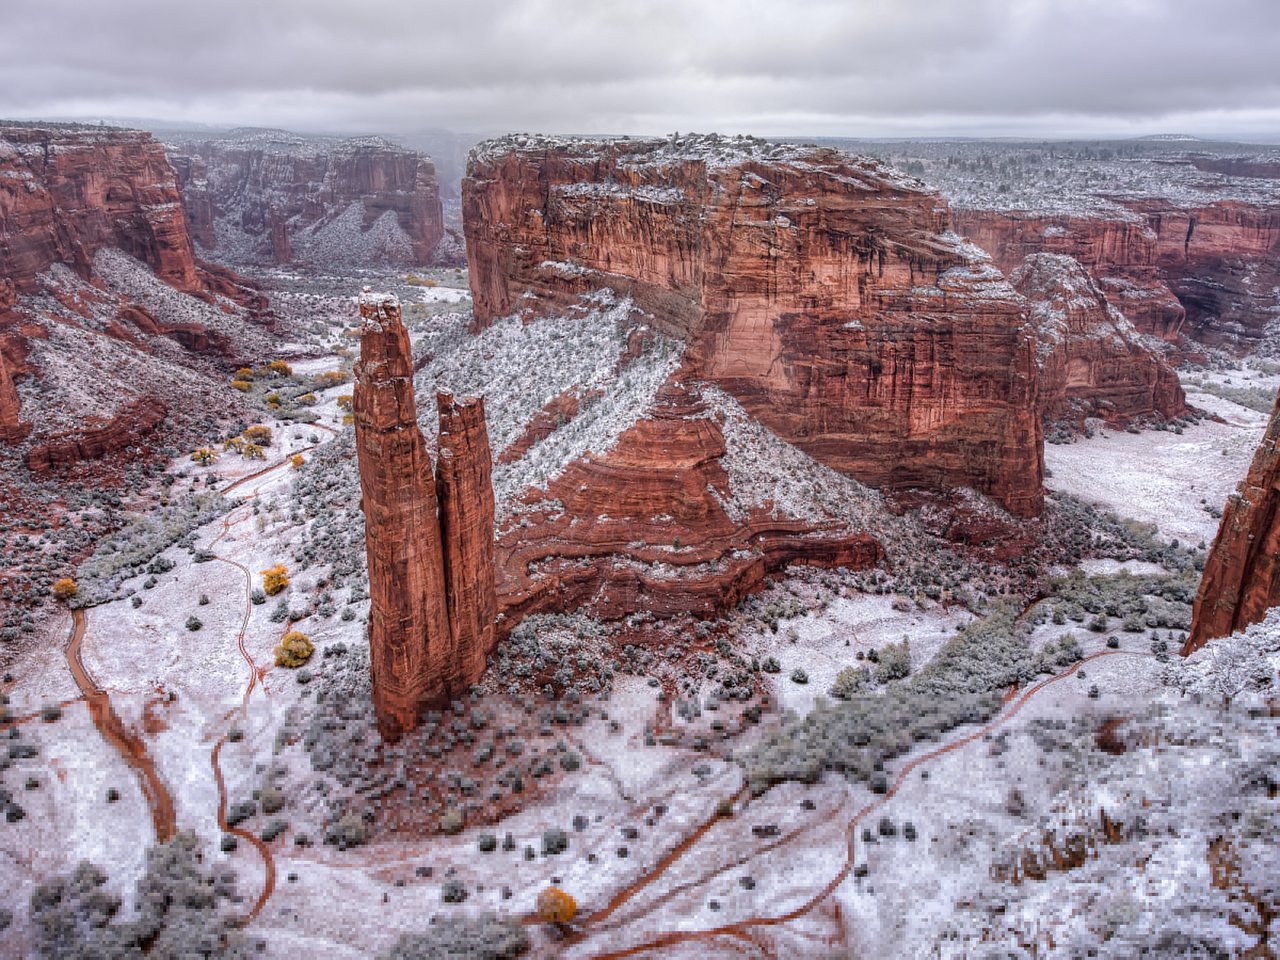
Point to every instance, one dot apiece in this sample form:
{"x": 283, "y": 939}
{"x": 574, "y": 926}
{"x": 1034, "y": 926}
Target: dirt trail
{"x": 256, "y": 673}
{"x": 743, "y": 927}
{"x": 130, "y": 746}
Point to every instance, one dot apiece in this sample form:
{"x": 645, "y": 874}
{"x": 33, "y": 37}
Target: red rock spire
{"x": 420, "y": 576}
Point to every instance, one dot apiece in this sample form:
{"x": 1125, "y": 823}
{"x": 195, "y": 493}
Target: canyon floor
{"x": 1081, "y": 815}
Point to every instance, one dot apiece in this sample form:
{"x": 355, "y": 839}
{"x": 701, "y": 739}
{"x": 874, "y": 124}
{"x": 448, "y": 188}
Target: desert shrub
{"x": 280, "y": 368}
{"x": 308, "y": 400}
{"x": 244, "y": 386}
{"x": 554, "y": 841}
{"x": 259, "y": 434}
{"x": 799, "y": 676}
{"x": 294, "y": 649}
{"x": 252, "y": 451}
{"x": 204, "y": 456}
{"x": 350, "y": 830}
{"x": 274, "y": 579}
{"x": 451, "y": 891}
{"x": 296, "y": 461}
{"x": 333, "y": 378}
{"x": 452, "y": 822}
{"x": 344, "y": 401}
{"x": 849, "y": 681}
{"x": 64, "y": 588}
{"x": 482, "y": 937}
{"x": 257, "y": 597}
{"x": 895, "y": 662}
{"x": 962, "y": 684}
{"x": 176, "y": 916}
{"x": 194, "y": 623}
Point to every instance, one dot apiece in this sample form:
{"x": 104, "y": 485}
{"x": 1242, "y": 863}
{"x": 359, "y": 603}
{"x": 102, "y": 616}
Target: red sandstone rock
{"x": 114, "y": 436}
{"x": 643, "y": 528}
{"x": 1209, "y": 272}
{"x": 1242, "y": 575}
{"x": 275, "y": 191}
{"x": 409, "y": 638}
{"x": 1093, "y": 363}
{"x": 464, "y": 476}
{"x": 11, "y": 426}
{"x": 65, "y": 194}
{"x": 820, "y": 290}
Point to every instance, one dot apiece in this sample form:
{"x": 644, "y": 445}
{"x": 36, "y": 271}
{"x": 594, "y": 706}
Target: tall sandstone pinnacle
{"x": 431, "y": 575}
{"x": 11, "y": 426}
{"x": 1242, "y": 575}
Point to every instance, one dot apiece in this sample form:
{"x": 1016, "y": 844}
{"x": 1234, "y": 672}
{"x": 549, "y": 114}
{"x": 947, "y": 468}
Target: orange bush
{"x": 294, "y": 649}
{"x": 259, "y": 434}
{"x": 244, "y": 386}
{"x": 65, "y": 588}
{"x": 204, "y": 456}
{"x": 556, "y": 906}
{"x": 296, "y": 461}
{"x": 274, "y": 579}
{"x": 333, "y": 378}
{"x": 344, "y": 401}
{"x": 280, "y": 367}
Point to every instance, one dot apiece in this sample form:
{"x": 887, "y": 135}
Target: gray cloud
{"x": 822, "y": 67}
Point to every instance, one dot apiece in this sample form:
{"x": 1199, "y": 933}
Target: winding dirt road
{"x": 130, "y": 746}
{"x": 743, "y": 928}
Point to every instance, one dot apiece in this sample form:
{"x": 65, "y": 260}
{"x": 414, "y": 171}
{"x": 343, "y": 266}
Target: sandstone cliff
{"x": 11, "y": 424}
{"x": 97, "y": 272}
{"x": 822, "y": 291}
{"x": 1242, "y": 575}
{"x": 431, "y": 583}
{"x": 1206, "y": 272}
{"x": 1093, "y": 363}
{"x": 66, "y": 194}
{"x": 266, "y": 196}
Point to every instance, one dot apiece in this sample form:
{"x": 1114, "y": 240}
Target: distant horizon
{"x": 152, "y": 124}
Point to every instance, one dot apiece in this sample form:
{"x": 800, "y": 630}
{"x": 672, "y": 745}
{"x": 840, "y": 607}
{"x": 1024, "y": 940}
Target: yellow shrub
{"x": 294, "y": 649}
{"x": 556, "y": 906}
{"x": 259, "y": 434}
{"x": 274, "y": 579}
{"x": 244, "y": 386}
{"x": 64, "y": 589}
{"x": 344, "y": 402}
{"x": 204, "y": 456}
{"x": 308, "y": 399}
{"x": 235, "y": 443}
{"x": 280, "y": 367}
{"x": 333, "y": 378}
{"x": 252, "y": 451}
{"x": 348, "y": 419}
{"x": 296, "y": 461}
{"x": 244, "y": 373}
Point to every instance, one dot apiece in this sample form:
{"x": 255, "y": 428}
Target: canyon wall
{"x": 1206, "y": 272}
{"x": 1093, "y": 362}
{"x": 822, "y": 291}
{"x": 432, "y": 595}
{"x": 12, "y": 426}
{"x": 1241, "y": 578}
{"x": 270, "y": 197}
{"x": 67, "y": 193}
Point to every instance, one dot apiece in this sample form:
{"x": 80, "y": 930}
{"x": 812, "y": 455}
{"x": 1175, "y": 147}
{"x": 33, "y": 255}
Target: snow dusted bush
{"x": 177, "y": 898}
{"x": 962, "y": 684}
{"x": 126, "y": 553}
{"x": 482, "y": 937}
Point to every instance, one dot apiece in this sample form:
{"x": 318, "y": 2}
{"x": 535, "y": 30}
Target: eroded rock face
{"x": 1206, "y": 272}
{"x": 1093, "y": 362}
{"x": 11, "y": 425}
{"x": 431, "y": 578}
{"x": 267, "y": 196}
{"x": 464, "y": 471}
{"x": 821, "y": 291}
{"x": 114, "y": 436}
{"x": 1242, "y": 575}
{"x": 649, "y": 527}
{"x": 65, "y": 194}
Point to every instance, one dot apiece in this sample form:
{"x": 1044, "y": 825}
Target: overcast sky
{"x": 770, "y": 67}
